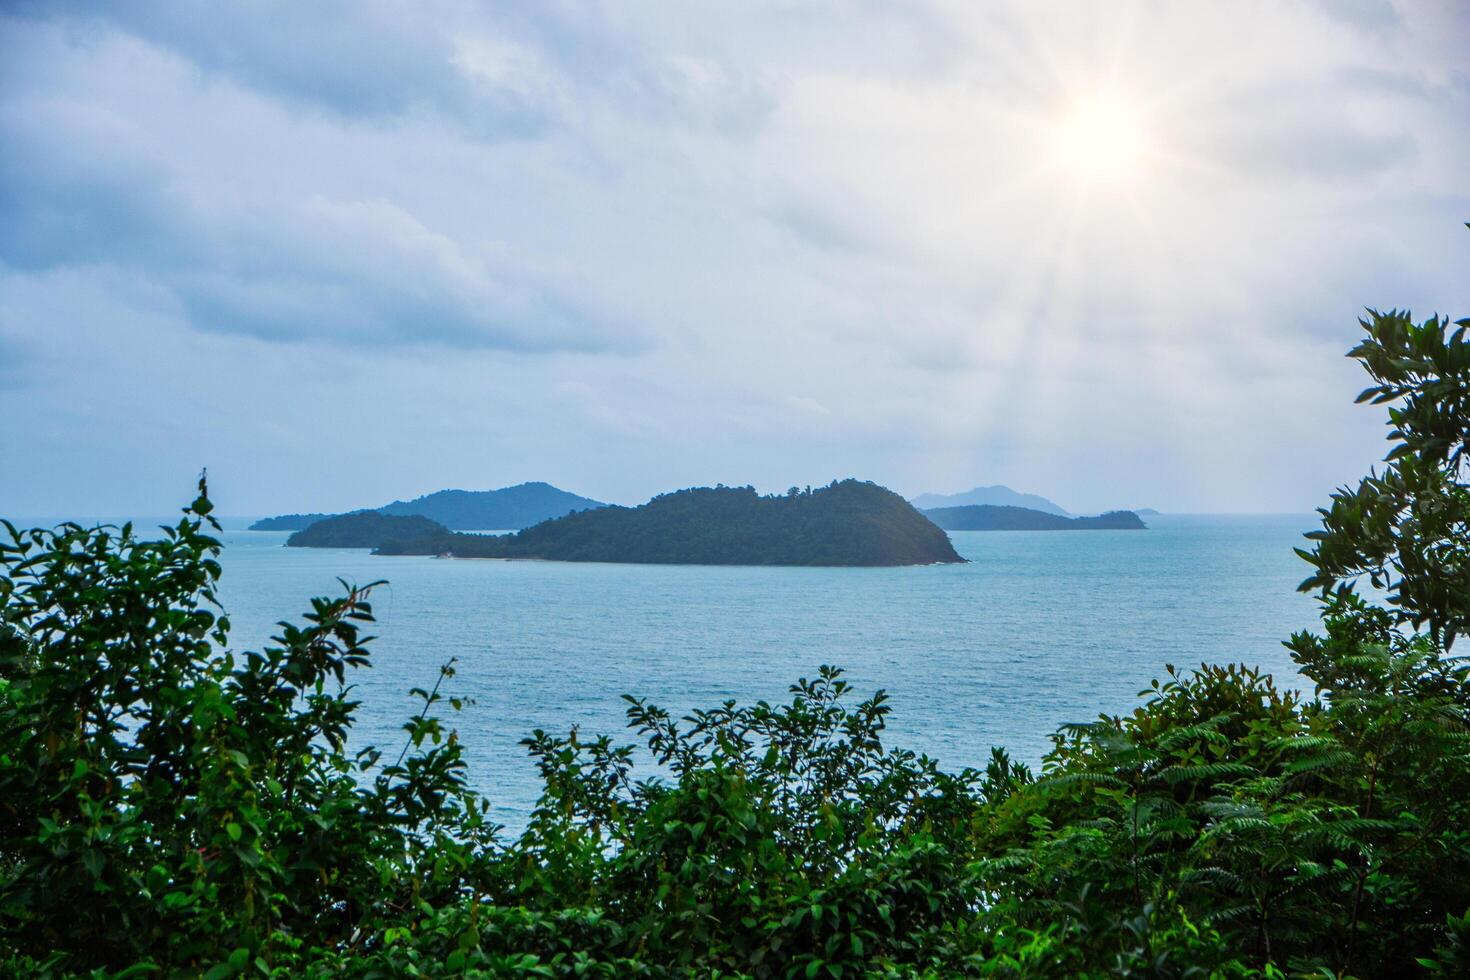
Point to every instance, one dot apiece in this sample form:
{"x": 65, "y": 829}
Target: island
{"x": 986, "y": 517}
{"x": 506, "y": 509}
{"x": 997, "y": 496}
{"x": 288, "y": 522}
{"x": 850, "y": 522}
{"x": 366, "y": 529}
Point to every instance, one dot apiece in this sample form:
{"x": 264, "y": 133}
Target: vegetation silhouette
{"x": 365, "y": 529}
{"x": 847, "y": 522}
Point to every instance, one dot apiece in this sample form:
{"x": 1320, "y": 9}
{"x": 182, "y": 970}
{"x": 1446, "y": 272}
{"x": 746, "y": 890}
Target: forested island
{"x": 366, "y": 529}
{"x": 289, "y": 522}
{"x": 845, "y": 523}
{"x": 506, "y": 509}
{"x": 985, "y": 517}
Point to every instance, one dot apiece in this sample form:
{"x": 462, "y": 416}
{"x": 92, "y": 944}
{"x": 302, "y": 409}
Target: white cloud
{"x": 778, "y": 243}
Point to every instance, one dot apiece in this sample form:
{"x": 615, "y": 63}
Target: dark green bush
{"x": 164, "y": 801}
{"x": 170, "y": 808}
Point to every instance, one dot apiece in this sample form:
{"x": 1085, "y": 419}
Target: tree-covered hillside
{"x": 505, "y": 509}
{"x": 289, "y": 522}
{"x": 844, "y": 523}
{"x": 365, "y": 529}
{"x": 983, "y": 517}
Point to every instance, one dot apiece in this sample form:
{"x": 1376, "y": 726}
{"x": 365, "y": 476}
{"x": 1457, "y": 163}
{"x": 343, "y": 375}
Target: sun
{"x": 1101, "y": 138}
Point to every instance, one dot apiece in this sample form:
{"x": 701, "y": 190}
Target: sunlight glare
{"x": 1100, "y": 139}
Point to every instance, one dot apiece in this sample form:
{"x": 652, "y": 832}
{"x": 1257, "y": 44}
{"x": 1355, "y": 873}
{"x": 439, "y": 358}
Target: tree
{"x": 1405, "y": 530}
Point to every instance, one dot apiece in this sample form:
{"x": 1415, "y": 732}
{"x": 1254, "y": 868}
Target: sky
{"x": 345, "y": 252}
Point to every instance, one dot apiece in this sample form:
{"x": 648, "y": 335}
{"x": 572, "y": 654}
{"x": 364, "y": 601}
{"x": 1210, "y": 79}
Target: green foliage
{"x": 1405, "y": 530}
{"x": 162, "y": 800}
{"x": 787, "y": 840}
{"x": 168, "y": 807}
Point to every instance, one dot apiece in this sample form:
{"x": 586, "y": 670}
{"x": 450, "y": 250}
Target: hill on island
{"x": 996, "y": 496}
{"x": 508, "y": 508}
{"x": 365, "y": 529}
{"x": 989, "y": 518}
{"x": 290, "y": 522}
{"x": 845, "y": 523}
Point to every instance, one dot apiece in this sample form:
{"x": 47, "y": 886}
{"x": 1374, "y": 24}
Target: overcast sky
{"x": 345, "y": 252}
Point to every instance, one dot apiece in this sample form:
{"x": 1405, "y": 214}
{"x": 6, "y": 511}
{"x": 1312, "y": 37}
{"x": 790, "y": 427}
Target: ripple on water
{"x": 1039, "y": 628}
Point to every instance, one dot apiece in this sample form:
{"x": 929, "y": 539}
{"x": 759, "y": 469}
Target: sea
{"x": 1037, "y": 629}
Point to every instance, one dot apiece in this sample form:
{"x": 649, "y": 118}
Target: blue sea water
{"x": 1038, "y": 629}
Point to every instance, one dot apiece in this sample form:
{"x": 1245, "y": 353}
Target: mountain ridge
{"x": 990, "y": 517}
{"x": 997, "y": 495}
{"x": 508, "y": 508}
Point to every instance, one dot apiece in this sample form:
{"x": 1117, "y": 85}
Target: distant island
{"x": 996, "y": 496}
{"x": 983, "y": 517}
{"x": 366, "y": 529}
{"x": 845, "y": 523}
{"x": 506, "y": 509}
{"x": 289, "y": 522}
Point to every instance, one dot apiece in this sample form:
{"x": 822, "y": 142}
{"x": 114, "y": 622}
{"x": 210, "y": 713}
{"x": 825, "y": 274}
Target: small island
{"x": 365, "y": 529}
{"x": 987, "y": 517}
{"x": 849, "y": 523}
{"x": 506, "y": 509}
{"x": 994, "y": 496}
{"x": 288, "y": 522}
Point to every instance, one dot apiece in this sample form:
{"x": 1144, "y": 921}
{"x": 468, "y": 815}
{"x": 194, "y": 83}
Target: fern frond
{"x": 1327, "y": 760}
{"x": 1175, "y": 775}
{"x": 1093, "y": 778}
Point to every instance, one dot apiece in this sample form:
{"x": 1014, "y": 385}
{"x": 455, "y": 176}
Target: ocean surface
{"x": 1038, "y": 629}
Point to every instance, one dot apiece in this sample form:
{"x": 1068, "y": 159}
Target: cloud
{"x": 348, "y": 59}
{"x": 498, "y": 71}
{"x": 1369, "y": 15}
{"x": 81, "y": 185}
{"x": 809, "y": 405}
{"x": 15, "y": 357}
{"x": 370, "y": 272}
{"x": 630, "y": 247}
{"x": 1302, "y": 131}
{"x": 73, "y": 191}
{"x": 818, "y": 227}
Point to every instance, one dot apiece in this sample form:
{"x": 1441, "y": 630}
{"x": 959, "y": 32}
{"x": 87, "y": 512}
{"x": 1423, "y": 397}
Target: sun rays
{"x": 1101, "y": 138}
